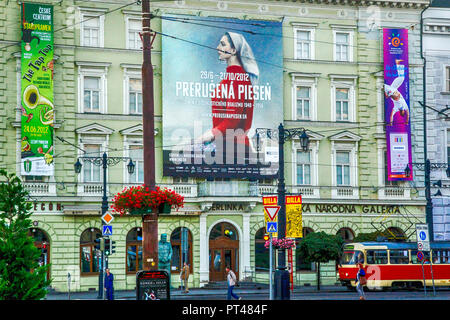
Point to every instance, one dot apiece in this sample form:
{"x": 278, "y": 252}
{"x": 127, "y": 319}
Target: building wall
{"x": 436, "y": 44}
{"x": 364, "y": 134}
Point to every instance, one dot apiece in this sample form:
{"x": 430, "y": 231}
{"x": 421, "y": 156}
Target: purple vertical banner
{"x": 396, "y": 103}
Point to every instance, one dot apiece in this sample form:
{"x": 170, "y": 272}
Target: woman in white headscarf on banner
{"x": 233, "y": 101}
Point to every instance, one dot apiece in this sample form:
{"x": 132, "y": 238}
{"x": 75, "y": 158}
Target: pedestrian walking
{"x": 109, "y": 285}
{"x": 184, "y": 276}
{"x": 231, "y": 281}
{"x": 361, "y": 281}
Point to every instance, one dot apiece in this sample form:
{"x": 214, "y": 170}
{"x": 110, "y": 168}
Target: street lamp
{"x": 103, "y": 161}
{"x": 281, "y": 274}
{"x": 428, "y": 167}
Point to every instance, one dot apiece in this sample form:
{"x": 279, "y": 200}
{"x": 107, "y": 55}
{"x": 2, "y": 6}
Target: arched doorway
{"x": 223, "y": 251}
{"x": 41, "y": 241}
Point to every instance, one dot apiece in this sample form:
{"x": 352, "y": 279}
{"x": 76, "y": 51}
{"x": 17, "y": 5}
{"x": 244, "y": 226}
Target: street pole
{"x": 271, "y": 268}
{"x": 281, "y": 274}
{"x": 429, "y": 205}
{"x": 104, "y": 209}
{"x": 149, "y": 221}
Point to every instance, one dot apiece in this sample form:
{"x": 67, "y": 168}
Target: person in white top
{"x": 231, "y": 280}
{"x": 391, "y": 91}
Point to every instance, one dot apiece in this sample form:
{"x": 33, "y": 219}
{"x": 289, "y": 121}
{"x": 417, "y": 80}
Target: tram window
{"x": 376, "y": 256}
{"x": 441, "y": 256}
{"x": 399, "y": 256}
{"x": 415, "y": 260}
{"x": 352, "y": 257}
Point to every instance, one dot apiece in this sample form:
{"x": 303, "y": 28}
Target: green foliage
{"x": 372, "y": 236}
{"x": 21, "y": 277}
{"x": 320, "y": 247}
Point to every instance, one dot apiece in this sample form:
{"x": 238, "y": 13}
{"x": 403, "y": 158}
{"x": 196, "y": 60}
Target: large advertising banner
{"x": 37, "y": 90}
{"x": 222, "y": 79}
{"x": 397, "y": 107}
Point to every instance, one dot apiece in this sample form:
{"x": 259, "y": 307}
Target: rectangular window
{"x": 343, "y": 168}
{"x": 415, "y": 260}
{"x": 303, "y": 44}
{"x": 91, "y": 30}
{"x": 91, "y": 101}
{"x": 303, "y": 168}
{"x": 448, "y": 147}
{"x": 134, "y": 28}
{"x": 91, "y": 172}
{"x": 180, "y": 179}
{"x": 136, "y": 153}
{"x": 342, "y": 46}
{"x": 377, "y": 256}
{"x": 441, "y": 256}
{"x": 342, "y": 104}
{"x": 399, "y": 256}
{"x": 135, "y": 96}
{"x": 134, "y": 258}
{"x": 303, "y": 98}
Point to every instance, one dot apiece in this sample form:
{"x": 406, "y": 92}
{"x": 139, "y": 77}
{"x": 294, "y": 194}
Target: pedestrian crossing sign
{"x": 272, "y": 227}
{"x": 107, "y": 230}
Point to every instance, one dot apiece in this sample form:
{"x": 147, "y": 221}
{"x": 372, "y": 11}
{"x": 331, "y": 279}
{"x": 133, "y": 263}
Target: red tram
{"x": 391, "y": 265}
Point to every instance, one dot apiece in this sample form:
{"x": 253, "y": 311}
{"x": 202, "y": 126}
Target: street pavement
{"x": 300, "y": 293}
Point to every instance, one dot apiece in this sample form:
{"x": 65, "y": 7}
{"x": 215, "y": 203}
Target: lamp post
{"x": 428, "y": 167}
{"x": 281, "y": 289}
{"x": 103, "y": 161}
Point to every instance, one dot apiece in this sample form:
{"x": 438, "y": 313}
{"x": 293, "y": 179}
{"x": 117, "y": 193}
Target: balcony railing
{"x": 40, "y": 188}
{"x": 226, "y": 189}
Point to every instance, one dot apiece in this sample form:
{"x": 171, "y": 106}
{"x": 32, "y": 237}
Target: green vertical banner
{"x": 37, "y": 90}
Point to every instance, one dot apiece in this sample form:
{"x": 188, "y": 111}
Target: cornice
{"x": 406, "y": 4}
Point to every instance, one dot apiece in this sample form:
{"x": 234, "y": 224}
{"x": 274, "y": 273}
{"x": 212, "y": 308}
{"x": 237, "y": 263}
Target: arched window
{"x": 346, "y": 234}
{"x": 224, "y": 229}
{"x": 394, "y": 234}
{"x": 262, "y": 258}
{"x": 90, "y": 257}
{"x": 299, "y": 264}
{"x": 181, "y": 241}
{"x": 41, "y": 241}
{"x": 134, "y": 250}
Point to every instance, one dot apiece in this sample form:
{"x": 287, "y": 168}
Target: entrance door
{"x": 223, "y": 251}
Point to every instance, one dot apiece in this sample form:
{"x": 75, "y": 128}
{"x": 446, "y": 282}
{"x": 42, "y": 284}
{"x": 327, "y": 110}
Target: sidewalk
{"x": 194, "y": 293}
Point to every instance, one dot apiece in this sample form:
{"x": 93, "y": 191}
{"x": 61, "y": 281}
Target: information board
{"x": 152, "y": 285}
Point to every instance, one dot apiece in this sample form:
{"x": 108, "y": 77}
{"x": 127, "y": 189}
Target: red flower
{"x": 141, "y": 197}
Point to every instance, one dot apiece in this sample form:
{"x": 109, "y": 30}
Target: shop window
{"x": 134, "y": 250}
{"x": 90, "y": 257}
{"x": 181, "y": 241}
{"x": 262, "y": 262}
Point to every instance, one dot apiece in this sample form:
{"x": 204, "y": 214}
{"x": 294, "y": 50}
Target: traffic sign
{"x": 107, "y": 217}
{"x": 107, "y": 230}
{"x": 272, "y": 212}
{"x": 272, "y": 227}
{"x": 420, "y": 255}
{"x": 423, "y": 239}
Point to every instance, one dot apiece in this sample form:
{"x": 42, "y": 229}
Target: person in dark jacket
{"x": 109, "y": 285}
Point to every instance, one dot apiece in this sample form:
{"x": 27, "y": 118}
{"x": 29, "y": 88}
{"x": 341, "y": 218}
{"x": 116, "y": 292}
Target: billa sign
{"x": 294, "y": 223}
{"x": 152, "y": 285}
{"x": 37, "y": 90}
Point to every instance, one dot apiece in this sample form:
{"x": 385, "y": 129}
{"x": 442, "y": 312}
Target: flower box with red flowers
{"x": 280, "y": 243}
{"x": 141, "y": 200}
